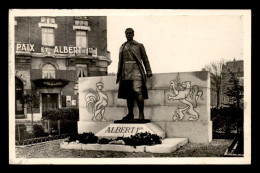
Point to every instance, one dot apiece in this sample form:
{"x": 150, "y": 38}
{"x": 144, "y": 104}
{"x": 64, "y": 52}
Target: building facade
{"x": 237, "y": 67}
{"x": 51, "y": 53}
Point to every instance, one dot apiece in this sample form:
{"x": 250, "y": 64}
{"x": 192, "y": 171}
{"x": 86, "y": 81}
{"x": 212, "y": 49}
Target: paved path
{"x": 52, "y": 149}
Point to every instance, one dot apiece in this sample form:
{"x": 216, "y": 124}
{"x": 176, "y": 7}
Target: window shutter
{"x": 77, "y": 41}
{"x": 63, "y": 100}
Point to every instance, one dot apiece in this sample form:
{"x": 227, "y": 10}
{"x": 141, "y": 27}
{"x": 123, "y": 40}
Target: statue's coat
{"x": 142, "y": 60}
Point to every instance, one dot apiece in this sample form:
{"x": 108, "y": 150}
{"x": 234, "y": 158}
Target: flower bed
{"x": 138, "y": 139}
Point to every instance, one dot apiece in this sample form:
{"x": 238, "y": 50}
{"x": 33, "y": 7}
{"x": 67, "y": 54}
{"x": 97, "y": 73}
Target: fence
{"x": 41, "y": 139}
{"x": 44, "y": 131}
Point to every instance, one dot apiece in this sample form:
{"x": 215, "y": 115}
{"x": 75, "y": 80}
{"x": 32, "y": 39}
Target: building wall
{"x": 237, "y": 67}
{"x": 29, "y": 64}
{"x": 98, "y": 37}
{"x": 27, "y": 30}
{"x": 23, "y": 28}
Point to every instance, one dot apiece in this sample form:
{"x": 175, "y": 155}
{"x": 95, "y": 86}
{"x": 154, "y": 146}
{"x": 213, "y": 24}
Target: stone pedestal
{"x": 94, "y": 127}
{"x": 196, "y": 132}
{"x": 127, "y": 129}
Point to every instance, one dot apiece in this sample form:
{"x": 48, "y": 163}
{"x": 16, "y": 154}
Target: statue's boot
{"x": 130, "y": 106}
{"x": 129, "y": 117}
{"x": 140, "y": 104}
{"x": 141, "y": 116}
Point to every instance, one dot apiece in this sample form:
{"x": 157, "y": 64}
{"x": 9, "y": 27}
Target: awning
{"x": 50, "y": 82}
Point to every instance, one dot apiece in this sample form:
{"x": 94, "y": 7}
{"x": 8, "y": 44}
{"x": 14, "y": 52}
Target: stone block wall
{"x": 185, "y": 114}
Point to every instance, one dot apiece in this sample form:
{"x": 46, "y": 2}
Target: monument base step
{"x": 168, "y": 145}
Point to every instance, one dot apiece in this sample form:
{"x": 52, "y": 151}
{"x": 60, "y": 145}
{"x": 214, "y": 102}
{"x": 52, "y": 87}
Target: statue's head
{"x": 129, "y": 34}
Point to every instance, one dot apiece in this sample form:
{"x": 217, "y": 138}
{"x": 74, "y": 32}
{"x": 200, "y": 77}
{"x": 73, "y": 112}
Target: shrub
{"x": 70, "y": 114}
{"x": 38, "y": 130}
{"x": 51, "y": 114}
{"x": 104, "y": 140}
{"x": 68, "y": 119}
{"x": 53, "y": 127}
{"x": 22, "y": 131}
{"x": 138, "y": 139}
{"x": 226, "y": 120}
{"x": 24, "y": 134}
{"x": 68, "y": 126}
{"x": 85, "y": 138}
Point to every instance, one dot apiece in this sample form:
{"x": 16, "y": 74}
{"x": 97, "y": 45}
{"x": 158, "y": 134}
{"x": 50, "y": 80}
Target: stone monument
{"x": 178, "y": 104}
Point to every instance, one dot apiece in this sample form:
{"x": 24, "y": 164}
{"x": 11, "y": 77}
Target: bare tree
{"x": 32, "y": 100}
{"x": 217, "y": 77}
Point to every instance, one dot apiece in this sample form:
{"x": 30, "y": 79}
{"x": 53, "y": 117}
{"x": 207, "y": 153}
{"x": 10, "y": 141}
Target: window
{"x": 81, "y": 38}
{"x": 48, "y": 25}
{"x": 81, "y": 70}
{"x": 48, "y": 36}
{"x": 81, "y": 22}
{"x": 48, "y": 71}
{"x": 48, "y": 20}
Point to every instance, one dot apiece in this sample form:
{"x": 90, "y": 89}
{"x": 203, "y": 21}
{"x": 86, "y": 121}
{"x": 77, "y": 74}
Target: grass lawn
{"x": 52, "y": 149}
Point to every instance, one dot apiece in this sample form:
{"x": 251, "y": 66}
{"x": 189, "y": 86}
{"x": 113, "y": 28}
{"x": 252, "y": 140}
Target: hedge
{"x": 227, "y": 120}
{"x": 71, "y": 114}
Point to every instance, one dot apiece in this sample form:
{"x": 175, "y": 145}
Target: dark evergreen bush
{"x": 22, "y": 131}
{"x": 68, "y": 119}
{"x": 104, "y": 140}
{"x": 138, "y": 139}
{"x": 38, "y": 130}
{"x": 227, "y": 120}
{"x": 24, "y": 134}
{"x": 68, "y": 126}
{"x": 85, "y": 138}
{"x": 70, "y": 114}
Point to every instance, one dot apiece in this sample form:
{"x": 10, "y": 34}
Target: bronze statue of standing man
{"x": 133, "y": 62}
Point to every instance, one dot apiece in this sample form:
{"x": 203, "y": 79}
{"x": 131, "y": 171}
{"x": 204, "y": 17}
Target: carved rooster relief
{"x": 96, "y": 102}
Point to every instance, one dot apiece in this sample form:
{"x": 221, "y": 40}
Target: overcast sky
{"x": 179, "y": 43}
